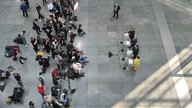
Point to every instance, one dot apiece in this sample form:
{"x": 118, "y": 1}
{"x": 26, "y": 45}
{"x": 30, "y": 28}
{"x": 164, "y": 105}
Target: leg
{"x": 26, "y": 13}
{"x": 23, "y": 13}
{"x": 117, "y": 15}
{"x": 20, "y": 61}
{"x": 23, "y": 58}
{"x": 113, "y": 14}
{"x": 20, "y": 83}
{"x": 39, "y": 16}
{"x": 24, "y": 41}
{"x": 37, "y": 31}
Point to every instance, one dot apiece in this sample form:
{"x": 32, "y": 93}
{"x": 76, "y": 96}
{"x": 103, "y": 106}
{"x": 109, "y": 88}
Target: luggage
{"x": 14, "y": 48}
{"x": 8, "y": 51}
{"x": 2, "y": 85}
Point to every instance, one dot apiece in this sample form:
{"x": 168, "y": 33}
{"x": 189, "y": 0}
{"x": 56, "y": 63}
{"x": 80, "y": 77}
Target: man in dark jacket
{"x": 23, "y": 7}
{"x": 116, "y": 10}
{"x": 135, "y": 51}
{"x": 18, "y": 78}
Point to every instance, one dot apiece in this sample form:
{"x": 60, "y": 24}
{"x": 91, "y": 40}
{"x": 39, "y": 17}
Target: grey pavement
{"x": 106, "y": 84}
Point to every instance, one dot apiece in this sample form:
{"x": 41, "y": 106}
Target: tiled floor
{"x": 106, "y": 84}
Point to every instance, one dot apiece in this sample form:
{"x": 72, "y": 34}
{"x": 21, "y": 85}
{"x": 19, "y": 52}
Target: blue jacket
{"x": 23, "y": 7}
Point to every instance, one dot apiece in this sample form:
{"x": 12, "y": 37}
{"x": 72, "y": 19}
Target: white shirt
{"x": 77, "y": 66}
{"x": 50, "y": 6}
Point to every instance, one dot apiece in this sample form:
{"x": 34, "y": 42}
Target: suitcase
{"x": 14, "y": 48}
{"x": 2, "y": 85}
{"x": 8, "y": 51}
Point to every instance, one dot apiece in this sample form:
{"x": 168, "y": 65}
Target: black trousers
{"x": 20, "y": 83}
{"x": 25, "y": 13}
{"x": 38, "y": 30}
{"x": 115, "y": 14}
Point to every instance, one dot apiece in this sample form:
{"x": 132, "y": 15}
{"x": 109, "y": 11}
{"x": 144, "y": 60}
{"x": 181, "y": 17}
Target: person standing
{"x": 23, "y": 38}
{"x": 41, "y": 78}
{"x": 50, "y": 6}
{"x": 38, "y": 8}
{"x": 41, "y": 90}
{"x": 42, "y": 16}
{"x": 44, "y": 2}
{"x": 35, "y": 45}
{"x": 27, "y": 3}
{"x": 136, "y": 63}
{"x": 36, "y": 26}
{"x": 116, "y": 11}
{"x": 135, "y": 50}
{"x": 24, "y": 8}
{"x": 18, "y": 78}
{"x": 131, "y": 33}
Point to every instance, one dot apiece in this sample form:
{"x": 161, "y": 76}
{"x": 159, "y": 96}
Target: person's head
{"x": 136, "y": 46}
{"x": 39, "y": 85}
{"x": 80, "y": 25}
{"x": 23, "y": 31}
{"x": 36, "y": 19}
{"x": 132, "y": 29}
{"x": 137, "y": 57}
{"x": 14, "y": 74}
{"x": 37, "y": 4}
{"x": 31, "y": 103}
{"x": 40, "y": 73}
{"x": 32, "y": 38}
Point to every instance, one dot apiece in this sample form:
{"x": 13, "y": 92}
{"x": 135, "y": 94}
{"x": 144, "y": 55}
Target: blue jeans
{"x": 24, "y": 41}
{"x": 82, "y": 60}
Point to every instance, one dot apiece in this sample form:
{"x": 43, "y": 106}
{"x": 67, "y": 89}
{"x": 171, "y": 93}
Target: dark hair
{"x": 31, "y": 103}
{"x": 23, "y": 31}
{"x": 138, "y": 57}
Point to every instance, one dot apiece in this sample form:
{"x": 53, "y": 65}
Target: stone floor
{"x": 158, "y": 24}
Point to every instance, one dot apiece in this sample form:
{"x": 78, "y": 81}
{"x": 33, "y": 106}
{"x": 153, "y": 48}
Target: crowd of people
{"x": 134, "y": 47}
{"x": 58, "y": 44}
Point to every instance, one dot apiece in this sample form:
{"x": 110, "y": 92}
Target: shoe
{"x": 25, "y": 58}
{"x": 25, "y": 46}
{"x": 40, "y": 20}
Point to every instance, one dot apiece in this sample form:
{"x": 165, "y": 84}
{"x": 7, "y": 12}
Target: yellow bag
{"x": 40, "y": 53}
